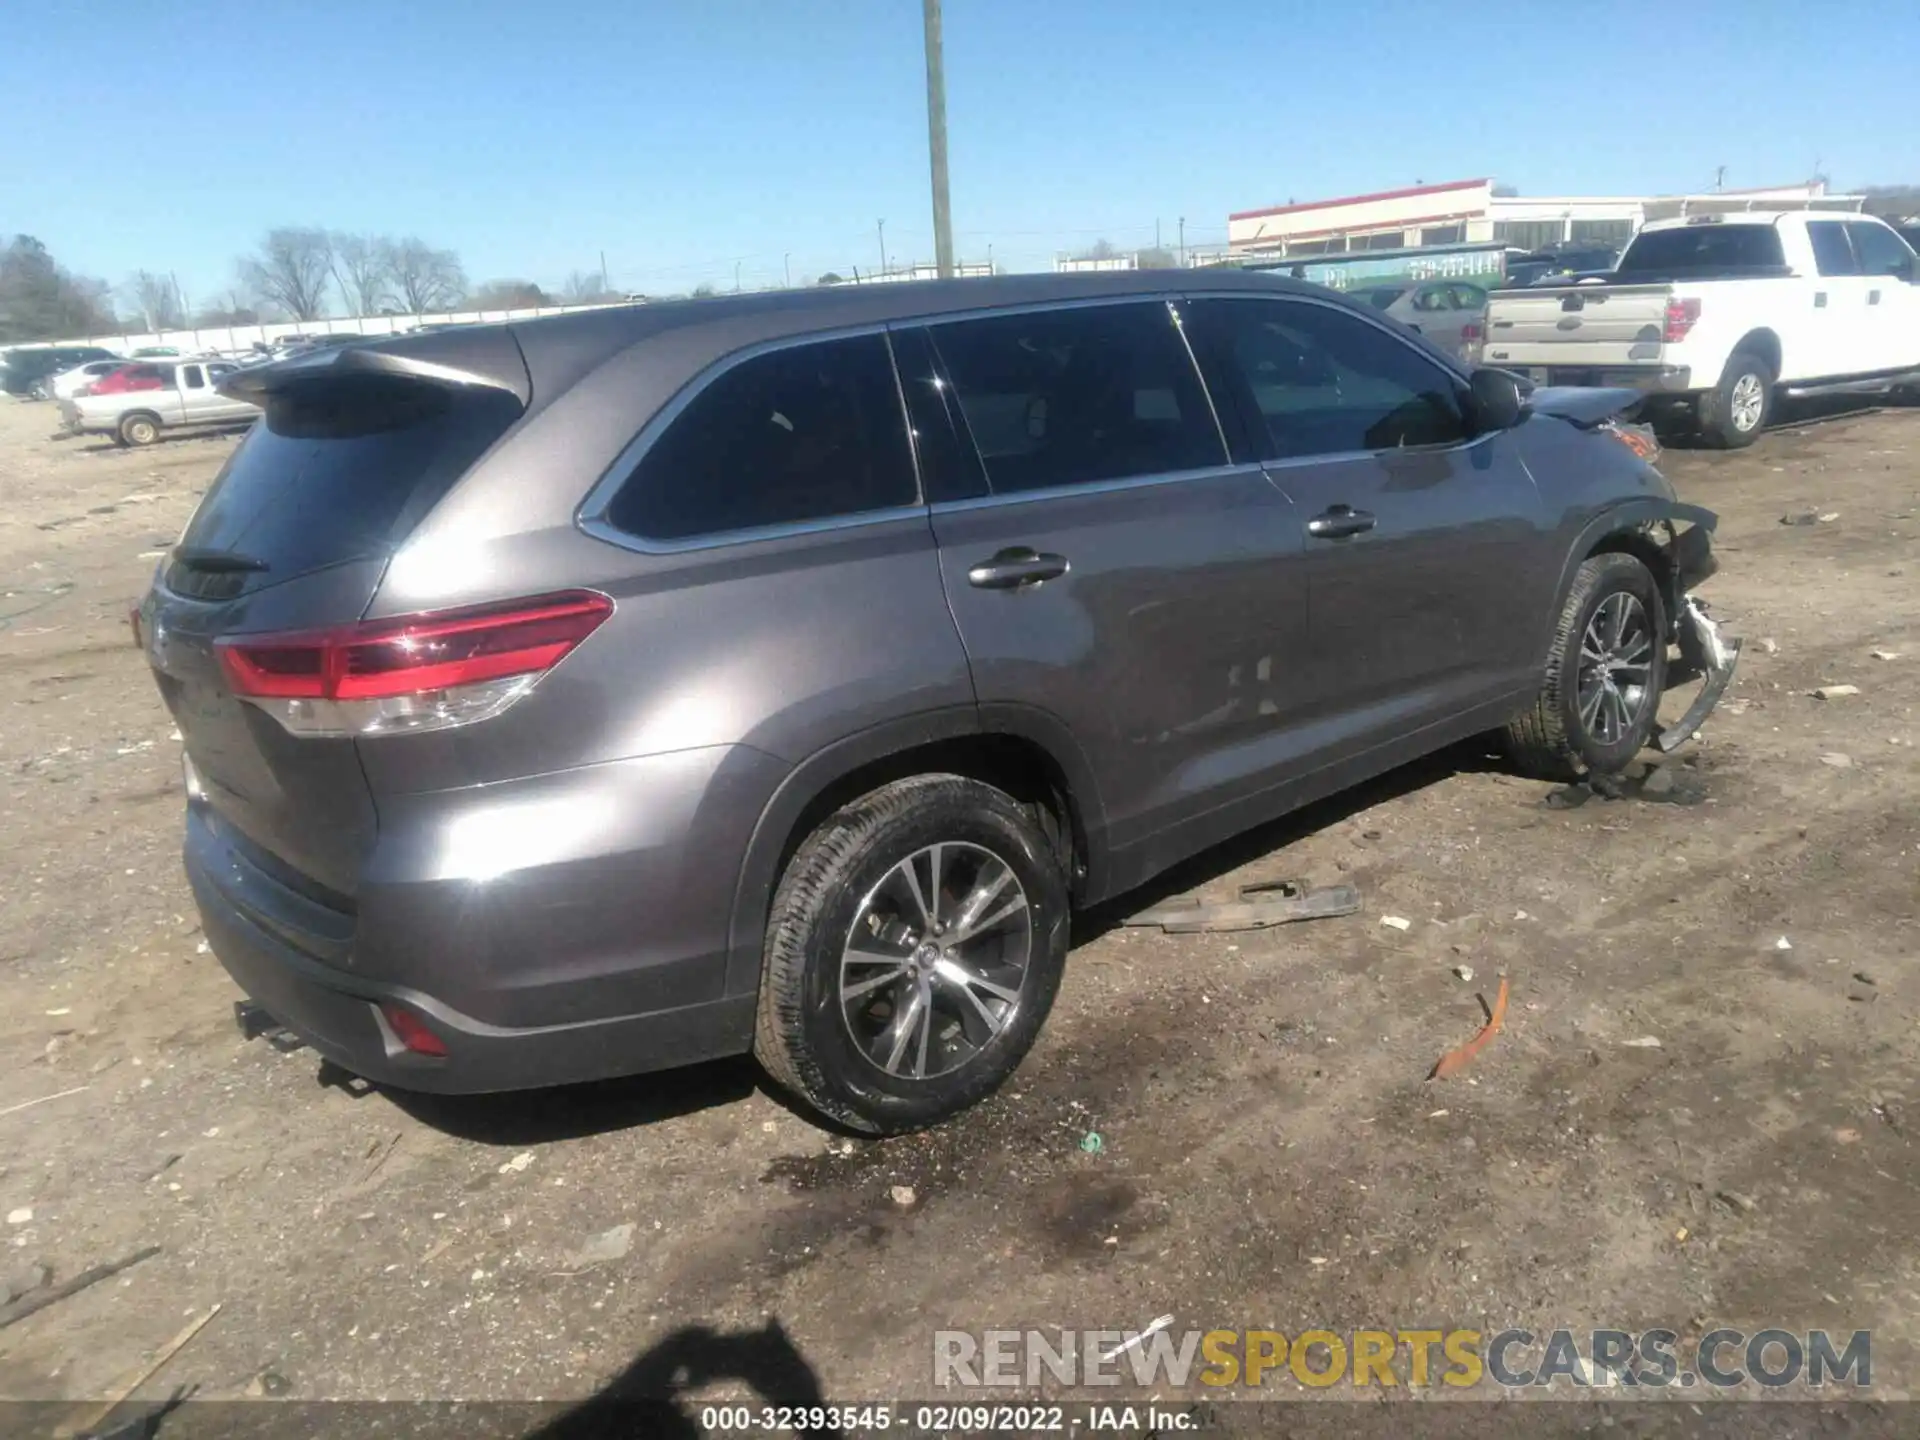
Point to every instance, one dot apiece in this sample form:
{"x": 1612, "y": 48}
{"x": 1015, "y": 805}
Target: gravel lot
{"x": 1271, "y": 1153}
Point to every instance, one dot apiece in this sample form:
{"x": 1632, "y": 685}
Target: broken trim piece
{"x": 1293, "y": 901}
{"x": 1705, "y": 650}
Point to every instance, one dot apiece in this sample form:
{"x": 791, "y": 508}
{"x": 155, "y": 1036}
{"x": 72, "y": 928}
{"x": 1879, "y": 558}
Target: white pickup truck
{"x": 1715, "y": 316}
{"x": 146, "y": 397}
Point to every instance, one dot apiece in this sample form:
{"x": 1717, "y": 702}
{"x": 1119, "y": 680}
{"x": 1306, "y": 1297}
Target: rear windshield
{"x": 1688, "y": 249}
{"x": 342, "y": 470}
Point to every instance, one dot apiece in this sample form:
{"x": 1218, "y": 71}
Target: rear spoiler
{"x": 1581, "y": 406}
{"x": 476, "y": 355}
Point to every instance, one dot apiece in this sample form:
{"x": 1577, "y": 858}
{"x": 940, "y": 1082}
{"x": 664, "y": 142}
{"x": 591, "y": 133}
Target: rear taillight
{"x": 417, "y": 672}
{"x": 1471, "y": 330}
{"x": 1682, "y": 315}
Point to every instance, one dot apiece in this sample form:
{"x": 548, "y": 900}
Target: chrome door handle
{"x": 1015, "y": 568}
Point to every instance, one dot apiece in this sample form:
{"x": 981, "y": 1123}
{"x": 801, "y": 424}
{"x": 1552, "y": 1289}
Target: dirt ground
{"x": 1270, "y": 1153}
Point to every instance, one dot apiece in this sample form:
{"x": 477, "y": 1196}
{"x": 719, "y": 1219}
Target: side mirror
{"x": 1498, "y": 401}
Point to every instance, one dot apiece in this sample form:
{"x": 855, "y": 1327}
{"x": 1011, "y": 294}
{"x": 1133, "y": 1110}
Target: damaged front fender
{"x": 1676, "y": 539}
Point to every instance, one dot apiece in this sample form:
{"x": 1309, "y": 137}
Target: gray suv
{"x": 574, "y": 698}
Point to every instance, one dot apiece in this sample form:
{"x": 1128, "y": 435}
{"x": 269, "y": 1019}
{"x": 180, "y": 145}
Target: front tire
{"x": 913, "y": 951}
{"x": 1605, "y": 674}
{"x": 1735, "y": 411}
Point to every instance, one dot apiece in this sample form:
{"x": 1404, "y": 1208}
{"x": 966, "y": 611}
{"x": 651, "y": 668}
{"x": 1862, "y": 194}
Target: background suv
{"x": 571, "y": 698}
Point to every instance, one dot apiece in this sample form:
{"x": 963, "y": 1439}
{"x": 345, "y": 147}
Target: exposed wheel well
{"x": 1648, "y": 551}
{"x": 1018, "y": 766}
{"x": 1763, "y": 343}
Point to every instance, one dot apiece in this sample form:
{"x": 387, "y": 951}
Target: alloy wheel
{"x": 936, "y": 962}
{"x": 1616, "y": 662}
{"x": 1748, "y": 403}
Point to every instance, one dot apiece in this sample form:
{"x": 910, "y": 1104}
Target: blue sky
{"x": 683, "y": 139}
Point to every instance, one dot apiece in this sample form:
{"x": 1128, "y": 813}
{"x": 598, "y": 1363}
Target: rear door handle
{"x": 1015, "y": 567}
{"x": 1339, "y": 521}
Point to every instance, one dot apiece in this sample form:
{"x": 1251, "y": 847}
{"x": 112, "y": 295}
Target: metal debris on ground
{"x": 1463, "y": 972}
{"x": 1152, "y": 1328}
{"x": 1285, "y": 901}
{"x": 602, "y": 1249}
{"x": 1837, "y": 760}
{"x": 1454, "y": 1061}
{"x": 1834, "y": 692}
{"x": 1884, "y": 654}
{"x": 1783, "y": 943}
{"x": 1769, "y": 645}
{"x": 1644, "y": 1042}
{"x": 1092, "y": 1143}
{"x": 146, "y": 1372}
{"x": 1743, "y": 1203}
{"x": 903, "y": 1196}
{"x": 39, "y": 1300}
{"x": 59, "y": 1095}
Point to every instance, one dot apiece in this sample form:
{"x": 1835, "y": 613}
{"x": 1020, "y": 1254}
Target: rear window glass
{"x": 343, "y": 470}
{"x": 1703, "y": 247}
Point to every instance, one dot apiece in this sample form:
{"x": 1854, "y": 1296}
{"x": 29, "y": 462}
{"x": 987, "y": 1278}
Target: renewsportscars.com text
{"x": 1512, "y": 1359}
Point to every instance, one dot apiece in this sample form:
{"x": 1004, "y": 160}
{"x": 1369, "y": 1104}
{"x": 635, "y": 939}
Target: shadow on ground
{"x": 644, "y": 1399}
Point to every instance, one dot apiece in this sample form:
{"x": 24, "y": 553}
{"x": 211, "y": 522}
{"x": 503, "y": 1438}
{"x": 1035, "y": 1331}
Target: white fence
{"x": 238, "y": 339}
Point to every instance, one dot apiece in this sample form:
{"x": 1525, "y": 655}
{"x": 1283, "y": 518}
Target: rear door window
{"x": 1316, "y": 380}
{"x": 340, "y": 470}
{"x": 1832, "y": 252}
{"x": 1079, "y": 395}
{"x": 1880, "y": 251}
{"x": 192, "y": 378}
{"x": 799, "y": 434}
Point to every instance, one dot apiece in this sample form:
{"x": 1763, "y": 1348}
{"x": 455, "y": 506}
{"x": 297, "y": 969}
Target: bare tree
{"x": 292, "y": 270}
{"x": 586, "y": 287}
{"x": 359, "y": 265}
{"x": 157, "y": 298}
{"x": 42, "y": 300}
{"x": 422, "y": 278}
{"x": 509, "y": 295}
{"x": 1156, "y": 257}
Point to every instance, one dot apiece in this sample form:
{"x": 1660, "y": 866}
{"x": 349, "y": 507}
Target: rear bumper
{"x": 1649, "y": 379}
{"x": 579, "y": 968}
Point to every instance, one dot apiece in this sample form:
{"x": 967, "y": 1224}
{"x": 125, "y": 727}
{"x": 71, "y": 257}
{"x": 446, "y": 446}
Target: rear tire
{"x": 1612, "y": 628}
{"x": 139, "y": 430}
{"x": 1735, "y": 411}
{"x": 884, "y": 1018}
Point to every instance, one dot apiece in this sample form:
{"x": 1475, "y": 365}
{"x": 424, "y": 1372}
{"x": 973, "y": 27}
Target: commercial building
{"x": 1466, "y": 211}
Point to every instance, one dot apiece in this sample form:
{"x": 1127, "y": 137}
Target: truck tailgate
{"x": 1577, "y": 325}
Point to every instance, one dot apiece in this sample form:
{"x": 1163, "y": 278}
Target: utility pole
{"x": 937, "y": 138}
{"x": 736, "y": 277}
{"x": 786, "y": 264}
{"x": 881, "y": 226}
{"x": 1719, "y": 178}
{"x": 604, "y": 287}
{"x": 1183, "y": 242}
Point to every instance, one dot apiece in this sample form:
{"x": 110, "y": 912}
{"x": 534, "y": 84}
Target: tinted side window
{"x": 1881, "y": 251}
{"x": 808, "y": 432}
{"x": 1831, "y": 252}
{"x": 1318, "y": 381}
{"x": 191, "y": 375}
{"x": 1077, "y": 396}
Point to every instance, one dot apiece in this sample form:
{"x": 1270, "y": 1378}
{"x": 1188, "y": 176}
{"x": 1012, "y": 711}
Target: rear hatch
{"x": 1587, "y": 325}
{"x": 294, "y": 535}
